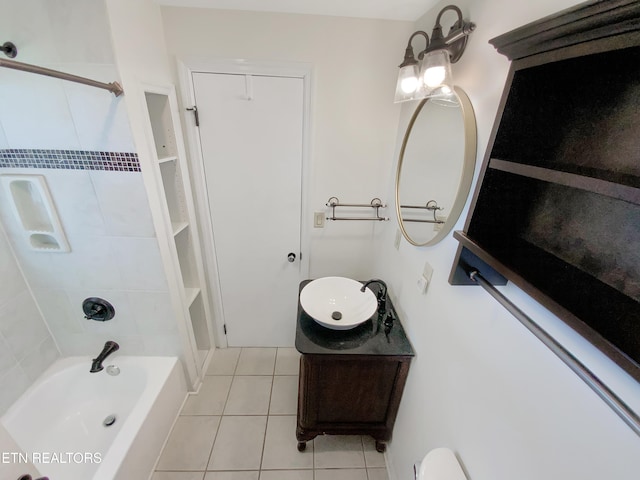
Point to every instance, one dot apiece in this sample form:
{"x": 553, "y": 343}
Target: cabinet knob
{"x": 291, "y": 257}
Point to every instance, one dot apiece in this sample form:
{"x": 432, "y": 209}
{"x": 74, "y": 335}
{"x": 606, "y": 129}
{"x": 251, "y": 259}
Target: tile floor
{"x": 241, "y": 426}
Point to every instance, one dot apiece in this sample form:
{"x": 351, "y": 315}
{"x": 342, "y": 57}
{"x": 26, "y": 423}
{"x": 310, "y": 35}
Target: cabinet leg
{"x": 381, "y": 447}
{"x": 302, "y": 446}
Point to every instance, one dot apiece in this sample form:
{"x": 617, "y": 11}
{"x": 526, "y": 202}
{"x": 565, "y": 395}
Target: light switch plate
{"x": 318, "y": 219}
{"x": 438, "y": 226}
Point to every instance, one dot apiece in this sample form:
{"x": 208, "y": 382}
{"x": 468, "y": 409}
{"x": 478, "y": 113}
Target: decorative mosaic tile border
{"x": 69, "y": 159}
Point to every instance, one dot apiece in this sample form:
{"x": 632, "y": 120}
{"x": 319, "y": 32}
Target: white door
{"x": 251, "y": 132}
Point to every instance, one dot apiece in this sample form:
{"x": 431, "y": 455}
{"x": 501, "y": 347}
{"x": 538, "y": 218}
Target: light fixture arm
{"x": 456, "y": 41}
{"x": 409, "y": 57}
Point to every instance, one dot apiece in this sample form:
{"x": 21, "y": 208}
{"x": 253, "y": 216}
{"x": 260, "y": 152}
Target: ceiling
{"x": 409, "y": 10}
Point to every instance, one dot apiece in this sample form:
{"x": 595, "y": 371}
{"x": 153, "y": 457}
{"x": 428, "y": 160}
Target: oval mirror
{"x": 435, "y": 168}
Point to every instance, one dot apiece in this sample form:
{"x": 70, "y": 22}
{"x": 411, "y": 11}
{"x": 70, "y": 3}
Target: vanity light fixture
{"x": 430, "y": 75}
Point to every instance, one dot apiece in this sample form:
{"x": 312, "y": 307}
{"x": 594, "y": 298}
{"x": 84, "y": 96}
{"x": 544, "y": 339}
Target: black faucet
{"x": 382, "y": 294}
{"x": 109, "y": 348}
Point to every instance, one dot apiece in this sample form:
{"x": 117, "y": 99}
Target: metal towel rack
{"x": 375, "y": 203}
{"x": 431, "y": 205}
{"x": 630, "y": 417}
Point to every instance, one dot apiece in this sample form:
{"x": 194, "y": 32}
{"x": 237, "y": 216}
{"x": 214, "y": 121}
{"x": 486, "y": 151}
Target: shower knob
{"x": 291, "y": 257}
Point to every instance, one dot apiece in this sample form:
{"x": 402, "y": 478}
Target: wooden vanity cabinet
{"x": 350, "y": 395}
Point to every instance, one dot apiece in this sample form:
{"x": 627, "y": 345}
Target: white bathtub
{"x": 58, "y": 422}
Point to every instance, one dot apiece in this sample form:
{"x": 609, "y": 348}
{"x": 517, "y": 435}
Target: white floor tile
{"x": 338, "y": 451}
{"x": 238, "y": 444}
{"x": 284, "y": 396}
{"x": 232, "y": 475}
{"x": 249, "y": 395}
{"x": 372, "y": 458}
{"x": 377, "y": 474}
{"x": 224, "y": 361}
{"x": 256, "y": 361}
{"x": 287, "y": 361}
{"x": 189, "y": 444}
{"x": 280, "y": 446}
{"x": 341, "y": 474}
{"x": 211, "y": 398}
{"x": 177, "y": 476}
{"x": 286, "y": 475}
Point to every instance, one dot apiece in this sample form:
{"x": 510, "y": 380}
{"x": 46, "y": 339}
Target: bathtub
{"x": 58, "y": 422}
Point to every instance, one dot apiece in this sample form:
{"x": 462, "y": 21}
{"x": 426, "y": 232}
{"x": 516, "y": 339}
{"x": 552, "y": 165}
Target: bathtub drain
{"x": 110, "y": 420}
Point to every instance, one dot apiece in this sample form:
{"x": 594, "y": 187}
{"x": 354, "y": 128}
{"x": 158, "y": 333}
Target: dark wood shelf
{"x": 557, "y": 208}
{"x": 589, "y": 184}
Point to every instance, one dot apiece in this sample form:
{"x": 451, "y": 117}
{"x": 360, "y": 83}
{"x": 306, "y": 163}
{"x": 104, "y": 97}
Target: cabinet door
{"x": 348, "y": 391}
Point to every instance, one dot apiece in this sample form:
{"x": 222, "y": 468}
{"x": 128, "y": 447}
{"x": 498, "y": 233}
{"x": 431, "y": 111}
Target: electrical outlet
{"x": 396, "y": 242}
{"x": 318, "y": 219}
{"x": 422, "y": 285}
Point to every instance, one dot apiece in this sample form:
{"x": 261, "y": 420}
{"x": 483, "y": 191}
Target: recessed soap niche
{"x": 35, "y": 212}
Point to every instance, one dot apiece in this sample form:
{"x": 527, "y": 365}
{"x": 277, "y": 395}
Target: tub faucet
{"x": 109, "y": 348}
{"x": 382, "y": 294}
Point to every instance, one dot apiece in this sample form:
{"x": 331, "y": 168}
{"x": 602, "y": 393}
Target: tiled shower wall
{"x": 114, "y": 255}
{"x": 26, "y": 347}
{"x": 79, "y": 138}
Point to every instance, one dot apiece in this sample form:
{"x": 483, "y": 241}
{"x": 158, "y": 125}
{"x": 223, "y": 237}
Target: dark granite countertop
{"x": 368, "y": 338}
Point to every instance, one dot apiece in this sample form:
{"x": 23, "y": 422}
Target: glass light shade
{"x": 436, "y": 74}
{"x": 408, "y": 83}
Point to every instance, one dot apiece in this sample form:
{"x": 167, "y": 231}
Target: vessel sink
{"x": 337, "y": 302}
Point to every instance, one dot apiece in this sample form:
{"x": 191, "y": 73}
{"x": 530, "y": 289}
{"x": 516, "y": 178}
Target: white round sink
{"x": 337, "y": 302}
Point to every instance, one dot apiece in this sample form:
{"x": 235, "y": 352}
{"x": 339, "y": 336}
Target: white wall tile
{"x": 14, "y": 383}
{"x": 21, "y": 325}
{"x": 61, "y": 317}
{"x": 76, "y": 202}
{"x": 11, "y": 280}
{"x": 100, "y": 118}
{"x": 28, "y": 26}
{"x": 140, "y": 263}
{"x": 161, "y": 344}
{"x": 124, "y": 204}
{"x": 90, "y": 265}
{"x": 3, "y": 139}
{"x": 80, "y": 30}
{"x": 7, "y": 360}
{"x": 34, "y": 112}
{"x": 152, "y": 312}
{"x": 39, "y": 359}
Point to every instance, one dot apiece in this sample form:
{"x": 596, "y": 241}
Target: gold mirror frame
{"x": 466, "y": 177}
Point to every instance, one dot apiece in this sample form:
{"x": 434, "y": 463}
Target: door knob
{"x": 291, "y": 257}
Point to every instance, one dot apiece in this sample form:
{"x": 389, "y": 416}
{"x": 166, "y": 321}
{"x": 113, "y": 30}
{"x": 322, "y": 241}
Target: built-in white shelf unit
{"x": 172, "y": 172}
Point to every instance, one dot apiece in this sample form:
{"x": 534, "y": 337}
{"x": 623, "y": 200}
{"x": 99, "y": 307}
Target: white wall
{"x": 353, "y": 118}
{"x": 105, "y": 214}
{"x": 480, "y": 384}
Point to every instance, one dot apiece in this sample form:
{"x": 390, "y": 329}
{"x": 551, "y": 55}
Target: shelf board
{"x": 590, "y": 184}
{"x": 191, "y": 294}
{"x": 178, "y": 227}
{"x": 172, "y": 158}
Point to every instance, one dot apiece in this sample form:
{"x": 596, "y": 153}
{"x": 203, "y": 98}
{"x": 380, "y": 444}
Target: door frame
{"x": 186, "y": 66}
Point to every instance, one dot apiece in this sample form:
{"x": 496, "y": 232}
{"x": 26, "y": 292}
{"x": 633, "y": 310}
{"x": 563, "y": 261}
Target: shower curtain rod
{"x": 113, "y": 87}
{"x": 623, "y": 410}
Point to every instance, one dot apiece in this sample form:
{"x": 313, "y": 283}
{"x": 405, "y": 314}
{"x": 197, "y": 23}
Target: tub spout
{"x": 109, "y": 348}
